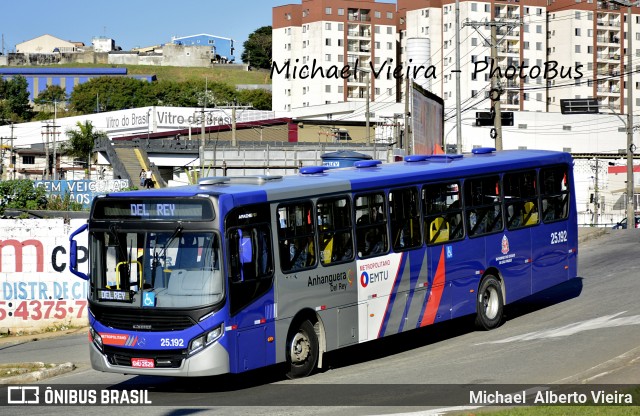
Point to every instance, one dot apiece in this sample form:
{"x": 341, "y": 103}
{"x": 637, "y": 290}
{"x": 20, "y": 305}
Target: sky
{"x": 134, "y": 23}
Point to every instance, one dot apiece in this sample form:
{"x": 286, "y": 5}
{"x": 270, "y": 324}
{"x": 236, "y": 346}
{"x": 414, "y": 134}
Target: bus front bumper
{"x": 211, "y": 361}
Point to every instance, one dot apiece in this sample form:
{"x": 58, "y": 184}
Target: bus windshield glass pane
{"x": 168, "y": 269}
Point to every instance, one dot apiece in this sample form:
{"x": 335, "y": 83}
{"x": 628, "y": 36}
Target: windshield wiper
{"x": 156, "y": 257}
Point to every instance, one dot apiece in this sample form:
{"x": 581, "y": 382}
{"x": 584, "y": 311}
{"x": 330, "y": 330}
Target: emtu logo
{"x": 364, "y": 279}
{"x": 17, "y": 248}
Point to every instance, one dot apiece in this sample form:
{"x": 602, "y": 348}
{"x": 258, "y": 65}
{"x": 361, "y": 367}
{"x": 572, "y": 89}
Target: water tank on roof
{"x": 419, "y": 54}
{"x": 342, "y": 158}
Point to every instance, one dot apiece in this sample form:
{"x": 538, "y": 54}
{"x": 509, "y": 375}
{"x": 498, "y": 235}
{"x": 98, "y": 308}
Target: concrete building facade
{"x": 46, "y": 44}
{"x": 222, "y": 49}
{"x": 328, "y": 51}
{"x": 548, "y": 51}
{"x": 595, "y": 35}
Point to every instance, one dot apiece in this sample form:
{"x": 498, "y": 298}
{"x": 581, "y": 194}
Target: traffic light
{"x": 486, "y": 119}
{"x": 507, "y": 118}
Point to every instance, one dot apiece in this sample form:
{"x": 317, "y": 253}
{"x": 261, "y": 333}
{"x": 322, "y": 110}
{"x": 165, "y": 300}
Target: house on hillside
{"x": 222, "y": 49}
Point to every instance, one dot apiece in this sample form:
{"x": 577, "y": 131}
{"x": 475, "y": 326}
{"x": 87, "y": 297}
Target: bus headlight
{"x": 96, "y": 338}
{"x": 206, "y": 339}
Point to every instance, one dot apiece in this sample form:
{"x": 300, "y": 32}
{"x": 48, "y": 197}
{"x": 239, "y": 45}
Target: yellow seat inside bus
{"x": 530, "y": 213}
{"x": 438, "y": 230}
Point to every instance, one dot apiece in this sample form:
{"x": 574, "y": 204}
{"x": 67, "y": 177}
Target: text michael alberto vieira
{"x": 548, "y": 70}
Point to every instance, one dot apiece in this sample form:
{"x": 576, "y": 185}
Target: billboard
{"x": 427, "y": 122}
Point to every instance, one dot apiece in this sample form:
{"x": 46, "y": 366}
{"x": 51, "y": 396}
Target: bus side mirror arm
{"x": 73, "y": 253}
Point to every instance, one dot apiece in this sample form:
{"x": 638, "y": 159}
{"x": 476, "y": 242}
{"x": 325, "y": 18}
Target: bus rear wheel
{"x": 490, "y": 304}
{"x": 302, "y": 351}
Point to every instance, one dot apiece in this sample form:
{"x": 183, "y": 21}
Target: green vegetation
{"x": 257, "y": 49}
{"x": 220, "y": 73}
{"x": 175, "y": 86}
{"x": 21, "y": 194}
{"x": 117, "y": 93}
{"x": 81, "y": 141}
{"x": 14, "y": 100}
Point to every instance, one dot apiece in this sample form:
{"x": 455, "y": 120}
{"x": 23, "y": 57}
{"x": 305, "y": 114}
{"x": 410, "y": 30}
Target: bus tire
{"x": 490, "y": 304}
{"x": 302, "y": 351}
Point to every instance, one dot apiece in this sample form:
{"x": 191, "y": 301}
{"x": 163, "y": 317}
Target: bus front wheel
{"x": 490, "y": 303}
{"x": 302, "y": 351}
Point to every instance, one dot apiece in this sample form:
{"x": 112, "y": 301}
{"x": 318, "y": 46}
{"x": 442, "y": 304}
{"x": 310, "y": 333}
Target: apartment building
{"x": 547, "y": 50}
{"x": 594, "y": 34}
{"x": 329, "y": 51}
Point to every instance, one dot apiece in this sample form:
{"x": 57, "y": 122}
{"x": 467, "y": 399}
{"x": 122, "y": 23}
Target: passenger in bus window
{"x": 373, "y": 242}
{"x": 345, "y": 250}
{"x": 301, "y": 253}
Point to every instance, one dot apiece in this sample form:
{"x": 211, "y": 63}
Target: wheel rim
{"x": 300, "y": 348}
{"x": 490, "y": 302}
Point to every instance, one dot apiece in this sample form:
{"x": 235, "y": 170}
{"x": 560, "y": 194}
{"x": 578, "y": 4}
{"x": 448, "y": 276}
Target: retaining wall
{"x": 37, "y": 290}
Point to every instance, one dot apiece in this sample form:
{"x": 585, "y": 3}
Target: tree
{"x": 51, "y": 95}
{"x": 14, "y": 99}
{"x": 110, "y": 94}
{"x": 82, "y": 140}
{"x": 49, "y": 101}
{"x": 21, "y": 194}
{"x": 257, "y": 48}
{"x": 259, "y": 99}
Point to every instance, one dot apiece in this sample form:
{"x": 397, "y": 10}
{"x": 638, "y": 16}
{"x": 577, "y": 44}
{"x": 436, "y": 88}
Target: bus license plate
{"x": 142, "y": 363}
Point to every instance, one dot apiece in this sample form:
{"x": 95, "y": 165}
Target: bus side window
{"x": 521, "y": 199}
{"x": 442, "y": 212}
{"x": 483, "y": 205}
{"x": 371, "y": 234}
{"x": 404, "y": 219}
{"x": 334, "y": 235}
{"x": 296, "y": 241}
{"x": 554, "y": 193}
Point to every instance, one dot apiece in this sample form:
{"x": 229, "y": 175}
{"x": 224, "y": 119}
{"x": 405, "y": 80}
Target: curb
{"x": 51, "y": 371}
{"x": 586, "y": 234}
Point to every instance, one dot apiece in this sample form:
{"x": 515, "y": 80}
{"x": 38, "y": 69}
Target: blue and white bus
{"x": 238, "y": 273}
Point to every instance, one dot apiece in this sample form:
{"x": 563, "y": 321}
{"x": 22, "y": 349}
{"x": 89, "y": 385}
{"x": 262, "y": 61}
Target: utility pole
{"x": 596, "y": 196}
{"x": 12, "y": 163}
{"x": 405, "y": 138}
{"x": 496, "y": 88}
{"x": 2, "y": 158}
{"x": 457, "y": 71}
{"x": 367, "y": 122}
{"x": 46, "y": 175}
{"x": 55, "y": 116}
{"x": 629, "y": 111}
{"x": 234, "y": 139}
{"x": 202, "y": 142}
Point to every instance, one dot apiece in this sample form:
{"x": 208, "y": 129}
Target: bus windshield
{"x": 162, "y": 269}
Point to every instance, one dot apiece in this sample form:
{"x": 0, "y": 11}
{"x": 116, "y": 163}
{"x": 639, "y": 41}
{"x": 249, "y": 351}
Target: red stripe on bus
{"x": 436, "y": 293}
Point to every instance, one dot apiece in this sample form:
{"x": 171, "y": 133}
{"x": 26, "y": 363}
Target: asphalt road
{"x": 584, "y": 331}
